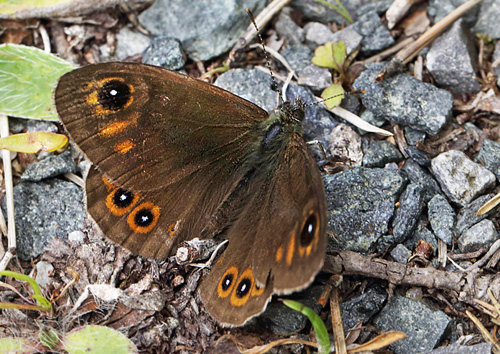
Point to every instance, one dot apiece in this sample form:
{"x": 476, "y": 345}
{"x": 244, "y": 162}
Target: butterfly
{"x": 176, "y": 158}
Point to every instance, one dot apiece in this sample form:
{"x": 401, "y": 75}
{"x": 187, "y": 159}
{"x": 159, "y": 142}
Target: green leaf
{"x": 316, "y": 321}
{"x": 340, "y": 9}
{"x": 333, "y": 95}
{"x": 97, "y": 339}
{"x": 27, "y": 78}
{"x": 330, "y": 55}
{"x": 16, "y": 346}
{"x": 34, "y": 142}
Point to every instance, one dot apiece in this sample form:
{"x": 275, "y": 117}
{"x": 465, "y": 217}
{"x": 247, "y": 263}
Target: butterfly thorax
{"x": 283, "y": 123}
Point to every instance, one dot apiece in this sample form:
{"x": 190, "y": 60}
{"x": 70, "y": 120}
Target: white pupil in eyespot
{"x": 144, "y": 218}
{"x": 243, "y": 287}
{"x": 113, "y": 92}
{"x": 123, "y": 197}
{"x": 309, "y": 228}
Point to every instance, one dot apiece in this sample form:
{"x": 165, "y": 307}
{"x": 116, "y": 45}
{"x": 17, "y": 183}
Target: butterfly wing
{"x": 278, "y": 242}
{"x": 168, "y": 149}
{"x": 147, "y": 127}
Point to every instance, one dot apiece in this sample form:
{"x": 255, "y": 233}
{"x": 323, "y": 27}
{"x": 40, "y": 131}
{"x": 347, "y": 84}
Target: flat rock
{"x": 206, "y": 30}
{"x": 361, "y": 205}
{"x": 409, "y": 211}
{"x": 460, "y": 178}
{"x": 423, "y": 325}
{"x": 452, "y": 60}
{"x": 482, "y": 234}
{"x": 490, "y": 156}
{"x": 51, "y": 166}
{"x": 442, "y": 218}
{"x": 405, "y": 100}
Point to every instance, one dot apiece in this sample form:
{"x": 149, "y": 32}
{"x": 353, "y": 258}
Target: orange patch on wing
{"x": 256, "y": 291}
{"x": 240, "y": 301}
{"x": 290, "y": 250}
{"x": 107, "y": 183}
{"x": 173, "y": 228}
{"x": 115, "y": 209}
{"x": 230, "y": 272}
{"x": 155, "y": 211}
{"x": 92, "y": 99}
{"x": 279, "y": 254}
{"x": 124, "y": 147}
{"x": 115, "y": 128}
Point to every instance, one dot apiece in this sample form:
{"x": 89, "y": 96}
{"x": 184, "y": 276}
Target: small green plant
{"x": 332, "y": 56}
{"x": 340, "y": 9}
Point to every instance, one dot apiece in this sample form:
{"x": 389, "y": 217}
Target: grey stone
{"x": 130, "y": 43}
{"x": 361, "y": 204}
{"x": 452, "y": 60}
{"x": 298, "y": 56}
{"x": 417, "y": 174}
{"x": 378, "y": 153}
{"x": 487, "y": 22}
{"x": 317, "y": 34}
{"x": 345, "y": 144}
{"x": 405, "y": 100}
{"x": 51, "y": 166}
{"x": 205, "y": 30}
{"x": 467, "y": 216}
{"x": 400, "y": 254}
{"x": 408, "y": 213}
{"x": 461, "y": 179}
{"x": 483, "y": 234}
{"x": 490, "y": 156}
{"x": 362, "y": 307}
{"x": 438, "y": 9}
{"x": 482, "y": 348}
{"x": 423, "y": 234}
{"x": 43, "y": 272}
{"x": 380, "y": 7}
{"x": 315, "y": 77}
{"x": 40, "y": 126}
{"x": 442, "y": 218}
{"x": 288, "y": 29}
{"x": 423, "y": 325}
{"x": 281, "y": 319}
{"x": 376, "y": 36}
{"x": 418, "y": 155}
{"x": 44, "y": 210}
{"x": 165, "y": 52}
{"x": 413, "y": 136}
{"x": 372, "y": 119}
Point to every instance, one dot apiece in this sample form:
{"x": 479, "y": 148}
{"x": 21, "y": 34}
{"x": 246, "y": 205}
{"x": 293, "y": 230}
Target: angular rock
{"x": 413, "y": 136}
{"x": 438, "y": 9}
{"x": 490, "y": 156}
{"x": 442, "y": 218}
{"x": 452, "y": 60}
{"x": 376, "y": 36}
{"x": 51, "y": 166}
{"x": 461, "y": 179}
{"x": 408, "y": 213}
{"x": 483, "y": 234}
{"x": 317, "y": 34}
{"x": 130, "y": 43}
{"x": 372, "y": 119}
{"x": 496, "y": 57}
{"x": 361, "y": 308}
{"x": 315, "y": 77}
{"x": 417, "y": 174}
{"x": 205, "y": 30}
{"x": 344, "y": 143}
{"x": 418, "y": 155}
{"x": 378, "y": 153}
{"x": 361, "y": 204}
{"x": 423, "y": 325}
{"x": 298, "y": 56}
{"x": 44, "y": 210}
{"x": 288, "y": 29}
{"x": 487, "y": 22}
{"x": 422, "y": 234}
{"x": 400, "y": 254}
{"x": 482, "y": 348}
{"x": 405, "y": 100}
{"x": 467, "y": 216}
{"x": 165, "y": 52}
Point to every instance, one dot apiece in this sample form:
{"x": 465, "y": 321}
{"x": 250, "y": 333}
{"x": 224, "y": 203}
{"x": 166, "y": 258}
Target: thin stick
{"x": 407, "y": 54}
{"x": 9, "y": 195}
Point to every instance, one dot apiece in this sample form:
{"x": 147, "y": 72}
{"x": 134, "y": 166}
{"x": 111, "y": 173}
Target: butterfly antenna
{"x": 337, "y": 95}
{"x": 275, "y": 86}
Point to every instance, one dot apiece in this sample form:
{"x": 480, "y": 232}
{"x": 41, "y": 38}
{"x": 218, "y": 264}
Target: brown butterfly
{"x": 176, "y": 158}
